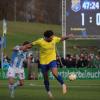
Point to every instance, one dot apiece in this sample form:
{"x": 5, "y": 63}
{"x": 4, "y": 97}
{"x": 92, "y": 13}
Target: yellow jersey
{"x": 47, "y": 49}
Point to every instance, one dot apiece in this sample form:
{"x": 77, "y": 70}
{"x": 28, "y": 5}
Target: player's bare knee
{"x": 11, "y": 83}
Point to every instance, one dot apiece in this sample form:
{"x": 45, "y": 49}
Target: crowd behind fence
{"x": 79, "y": 60}
{"x": 70, "y": 61}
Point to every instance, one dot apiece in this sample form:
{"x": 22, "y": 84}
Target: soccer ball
{"x": 72, "y": 76}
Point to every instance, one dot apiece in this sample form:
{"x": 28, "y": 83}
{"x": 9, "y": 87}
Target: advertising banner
{"x": 82, "y": 73}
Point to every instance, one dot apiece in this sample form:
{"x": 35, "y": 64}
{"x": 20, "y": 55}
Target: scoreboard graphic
{"x": 83, "y": 17}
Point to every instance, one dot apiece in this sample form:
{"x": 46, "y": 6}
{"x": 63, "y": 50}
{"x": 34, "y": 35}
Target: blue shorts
{"x": 46, "y": 67}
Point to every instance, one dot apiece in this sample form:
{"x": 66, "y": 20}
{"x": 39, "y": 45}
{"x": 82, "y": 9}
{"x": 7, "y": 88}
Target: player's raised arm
{"x": 67, "y": 37}
{"x": 27, "y": 46}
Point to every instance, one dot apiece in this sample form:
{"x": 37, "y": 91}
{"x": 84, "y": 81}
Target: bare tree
{"x": 48, "y": 11}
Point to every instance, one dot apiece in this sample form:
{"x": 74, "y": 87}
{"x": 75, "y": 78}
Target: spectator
{"x": 6, "y": 62}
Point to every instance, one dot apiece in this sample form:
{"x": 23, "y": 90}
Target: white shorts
{"x": 14, "y": 72}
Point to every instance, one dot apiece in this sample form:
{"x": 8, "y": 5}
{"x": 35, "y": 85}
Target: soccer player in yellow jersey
{"x": 48, "y": 58}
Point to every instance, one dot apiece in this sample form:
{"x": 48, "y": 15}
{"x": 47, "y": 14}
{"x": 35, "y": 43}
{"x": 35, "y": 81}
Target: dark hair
{"x": 48, "y": 33}
{"x": 25, "y": 42}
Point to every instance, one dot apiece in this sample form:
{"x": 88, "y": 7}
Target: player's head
{"x": 25, "y": 42}
{"x": 48, "y": 35}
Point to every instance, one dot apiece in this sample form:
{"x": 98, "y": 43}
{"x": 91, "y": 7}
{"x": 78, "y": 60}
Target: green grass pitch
{"x": 19, "y": 32}
{"x": 34, "y": 90}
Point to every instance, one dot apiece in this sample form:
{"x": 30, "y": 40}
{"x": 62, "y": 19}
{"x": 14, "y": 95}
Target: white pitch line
{"x": 54, "y": 86}
{"x": 95, "y": 85}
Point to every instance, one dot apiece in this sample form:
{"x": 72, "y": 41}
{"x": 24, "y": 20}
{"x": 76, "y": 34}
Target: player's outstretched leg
{"x": 12, "y": 88}
{"x": 60, "y": 80}
{"x": 64, "y": 88}
{"x": 12, "y": 91}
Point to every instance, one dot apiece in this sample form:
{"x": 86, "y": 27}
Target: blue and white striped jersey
{"x": 18, "y": 57}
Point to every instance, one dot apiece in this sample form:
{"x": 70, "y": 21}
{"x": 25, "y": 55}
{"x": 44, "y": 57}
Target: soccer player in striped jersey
{"x": 16, "y": 67}
{"x": 47, "y": 59}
